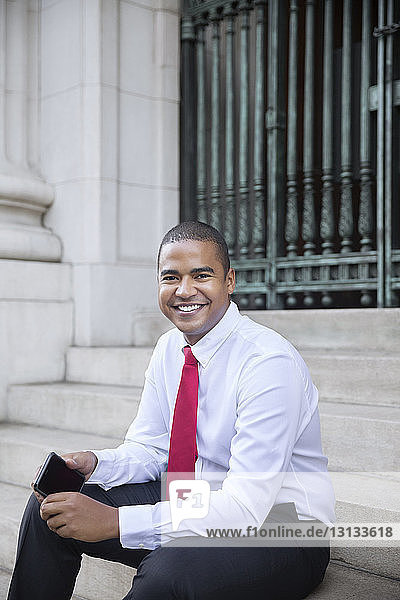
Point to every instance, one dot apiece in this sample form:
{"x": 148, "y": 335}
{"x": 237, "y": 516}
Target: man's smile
{"x": 188, "y": 309}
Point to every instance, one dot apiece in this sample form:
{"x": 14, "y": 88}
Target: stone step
{"x": 343, "y": 583}
{"x": 314, "y": 329}
{"x": 360, "y": 377}
{"x": 360, "y": 438}
{"x": 117, "y": 578}
{"x": 368, "y": 498}
{"x": 107, "y": 366}
{"x": 339, "y": 376}
{"x": 5, "y": 577}
{"x": 105, "y": 410}
{"x": 24, "y": 447}
{"x": 354, "y": 437}
{"x": 340, "y": 582}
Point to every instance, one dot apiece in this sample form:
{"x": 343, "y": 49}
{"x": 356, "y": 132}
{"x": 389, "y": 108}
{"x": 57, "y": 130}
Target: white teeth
{"x": 189, "y": 307}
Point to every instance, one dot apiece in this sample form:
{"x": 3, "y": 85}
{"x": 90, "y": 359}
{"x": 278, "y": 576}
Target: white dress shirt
{"x": 257, "y": 426}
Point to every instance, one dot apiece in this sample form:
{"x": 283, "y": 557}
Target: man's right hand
{"x": 85, "y": 462}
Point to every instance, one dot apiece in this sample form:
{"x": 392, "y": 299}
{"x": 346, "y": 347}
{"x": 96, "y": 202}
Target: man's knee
{"x": 161, "y": 574}
{"x": 32, "y": 511}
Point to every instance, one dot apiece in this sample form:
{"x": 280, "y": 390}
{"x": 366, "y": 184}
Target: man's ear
{"x": 230, "y": 281}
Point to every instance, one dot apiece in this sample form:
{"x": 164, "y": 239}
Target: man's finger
{"x": 56, "y": 522}
{"x": 58, "y": 497}
{"x": 50, "y": 509}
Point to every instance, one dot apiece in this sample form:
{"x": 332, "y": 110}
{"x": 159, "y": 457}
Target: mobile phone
{"x": 54, "y": 476}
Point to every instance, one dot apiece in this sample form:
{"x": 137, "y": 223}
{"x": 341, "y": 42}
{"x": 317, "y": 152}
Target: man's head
{"x": 194, "y": 277}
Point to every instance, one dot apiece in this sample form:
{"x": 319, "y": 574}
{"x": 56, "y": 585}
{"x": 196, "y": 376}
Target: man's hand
{"x": 74, "y": 515}
{"x": 85, "y": 462}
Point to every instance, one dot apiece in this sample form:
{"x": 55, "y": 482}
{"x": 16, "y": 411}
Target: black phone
{"x": 54, "y": 476}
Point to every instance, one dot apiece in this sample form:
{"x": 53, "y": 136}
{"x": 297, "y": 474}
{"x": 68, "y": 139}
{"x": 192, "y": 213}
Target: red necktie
{"x": 182, "y": 446}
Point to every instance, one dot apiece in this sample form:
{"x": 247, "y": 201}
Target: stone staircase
{"x": 354, "y": 357}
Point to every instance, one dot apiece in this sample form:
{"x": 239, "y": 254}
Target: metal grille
{"x": 290, "y": 146}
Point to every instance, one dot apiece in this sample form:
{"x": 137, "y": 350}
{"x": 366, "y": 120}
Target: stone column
{"x": 24, "y": 196}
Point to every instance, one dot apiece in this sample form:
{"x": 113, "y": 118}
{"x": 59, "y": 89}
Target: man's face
{"x": 193, "y": 292}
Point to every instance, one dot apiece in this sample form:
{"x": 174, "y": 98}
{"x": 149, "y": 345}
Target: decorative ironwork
{"x": 346, "y": 200}
{"x": 386, "y": 30}
{"x": 215, "y": 209}
{"x": 290, "y": 166}
{"x": 292, "y": 217}
{"x": 244, "y": 232}
{"x": 201, "y": 124}
{"x": 230, "y": 216}
{"x": 327, "y": 217}
{"x": 327, "y": 230}
{"x": 308, "y": 230}
{"x": 258, "y": 237}
{"x": 365, "y": 219}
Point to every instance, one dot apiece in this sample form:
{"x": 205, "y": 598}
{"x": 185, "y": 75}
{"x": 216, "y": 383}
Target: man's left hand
{"x": 74, "y": 515}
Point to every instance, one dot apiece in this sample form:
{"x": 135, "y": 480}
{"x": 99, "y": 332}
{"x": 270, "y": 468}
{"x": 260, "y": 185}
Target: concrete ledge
{"x": 348, "y": 328}
{"x": 356, "y": 377}
{"x": 23, "y": 448}
{"x": 360, "y": 438}
{"x": 344, "y": 583}
{"x": 106, "y": 410}
{"x": 108, "y": 366}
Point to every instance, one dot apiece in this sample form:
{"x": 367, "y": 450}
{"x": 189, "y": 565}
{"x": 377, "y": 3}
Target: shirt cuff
{"x": 136, "y": 527}
{"x": 104, "y": 468}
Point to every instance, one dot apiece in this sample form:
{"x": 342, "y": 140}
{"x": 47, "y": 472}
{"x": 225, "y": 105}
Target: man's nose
{"x": 186, "y": 288}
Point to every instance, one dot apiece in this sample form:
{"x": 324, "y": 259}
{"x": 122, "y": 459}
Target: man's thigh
{"x": 206, "y": 573}
{"x": 124, "y": 495}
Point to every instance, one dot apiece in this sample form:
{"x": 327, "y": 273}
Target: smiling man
{"x": 194, "y": 286}
{"x": 222, "y": 395}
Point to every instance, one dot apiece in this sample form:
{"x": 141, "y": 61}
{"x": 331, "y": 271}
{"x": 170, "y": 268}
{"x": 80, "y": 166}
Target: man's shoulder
{"x": 262, "y": 338}
{"x": 169, "y": 339}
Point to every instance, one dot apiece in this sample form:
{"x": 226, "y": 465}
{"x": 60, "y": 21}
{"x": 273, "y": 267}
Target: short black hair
{"x": 198, "y": 231}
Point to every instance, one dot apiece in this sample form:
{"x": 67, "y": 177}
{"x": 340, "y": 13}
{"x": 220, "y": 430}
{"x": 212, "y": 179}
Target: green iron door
{"x": 290, "y": 145}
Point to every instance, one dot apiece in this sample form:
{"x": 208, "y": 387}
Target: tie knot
{"x": 189, "y": 358}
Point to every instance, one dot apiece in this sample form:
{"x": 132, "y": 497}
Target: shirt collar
{"x": 205, "y": 348}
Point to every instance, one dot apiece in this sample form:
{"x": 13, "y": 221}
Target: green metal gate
{"x": 290, "y": 145}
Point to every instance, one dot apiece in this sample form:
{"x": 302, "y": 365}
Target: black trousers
{"x": 47, "y": 565}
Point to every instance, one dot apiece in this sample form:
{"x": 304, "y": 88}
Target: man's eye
{"x": 168, "y": 278}
{"x": 203, "y": 275}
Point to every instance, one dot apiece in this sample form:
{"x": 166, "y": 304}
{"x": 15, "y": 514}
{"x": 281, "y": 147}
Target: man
{"x": 256, "y": 425}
